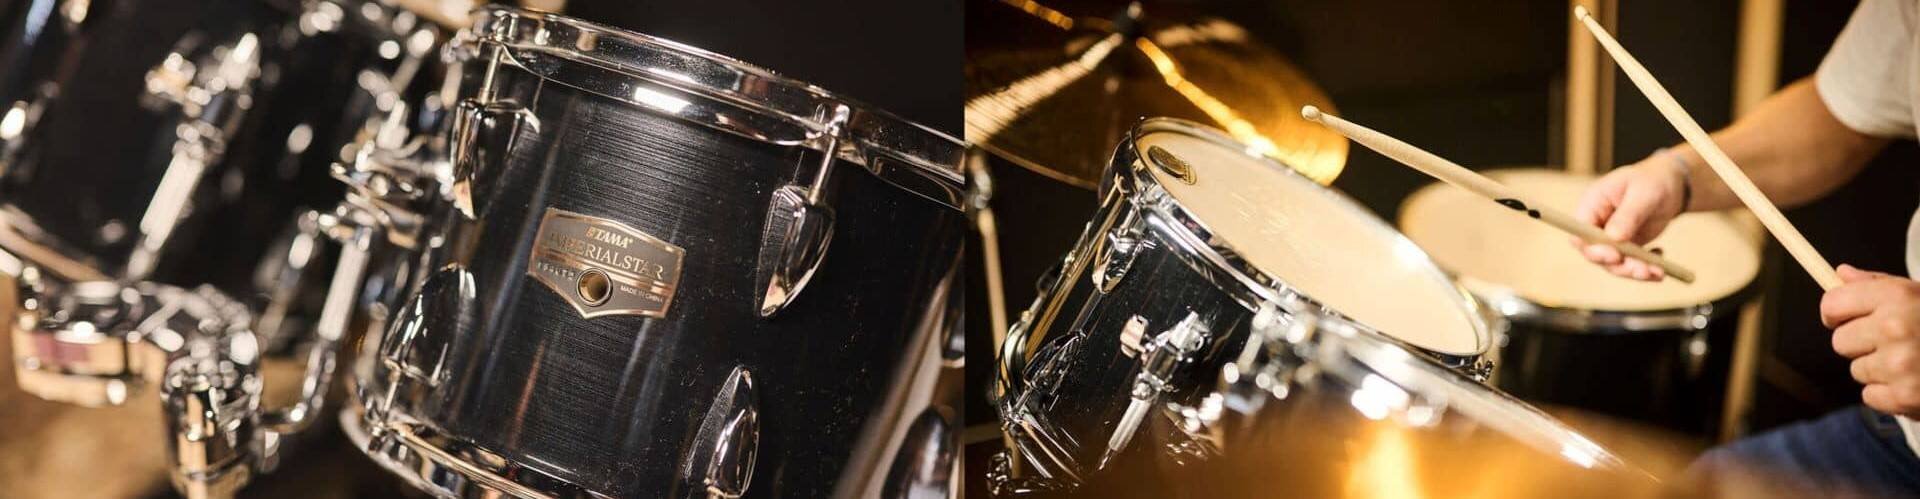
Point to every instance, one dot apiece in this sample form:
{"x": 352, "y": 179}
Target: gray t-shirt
{"x": 1867, "y": 81}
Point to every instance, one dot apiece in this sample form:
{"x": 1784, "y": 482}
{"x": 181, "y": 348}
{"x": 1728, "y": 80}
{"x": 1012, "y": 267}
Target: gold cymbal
{"x": 1054, "y": 93}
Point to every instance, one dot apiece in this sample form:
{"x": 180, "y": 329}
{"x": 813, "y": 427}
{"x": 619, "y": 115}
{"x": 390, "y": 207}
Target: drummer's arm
{"x": 1791, "y": 146}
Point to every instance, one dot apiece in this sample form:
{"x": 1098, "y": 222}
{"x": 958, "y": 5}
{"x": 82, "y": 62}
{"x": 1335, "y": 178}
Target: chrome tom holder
{"x": 97, "y": 343}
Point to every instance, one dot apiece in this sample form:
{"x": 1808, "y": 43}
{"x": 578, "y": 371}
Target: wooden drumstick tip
{"x": 1580, "y": 12}
{"x": 1310, "y": 113}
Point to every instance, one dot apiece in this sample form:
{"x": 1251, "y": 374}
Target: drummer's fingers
{"x": 1853, "y": 340}
{"x": 1596, "y": 205}
{"x": 1641, "y": 269}
{"x": 1863, "y": 370}
{"x": 1879, "y": 397}
{"x": 1849, "y": 273}
{"x": 1602, "y": 254}
{"x": 1630, "y": 221}
{"x": 1855, "y": 299}
{"x": 1622, "y": 269}
{"x": 1892, "y": 398}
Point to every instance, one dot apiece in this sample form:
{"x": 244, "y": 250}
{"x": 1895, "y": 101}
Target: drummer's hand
{"x": 1876, "y": 321}
{"x": 1634, "y": 204}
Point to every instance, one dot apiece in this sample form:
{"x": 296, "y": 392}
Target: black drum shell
{"x": 612, "y": 405}
{"x": 1068, "y": 370}
{"x": 1646, "y": 374}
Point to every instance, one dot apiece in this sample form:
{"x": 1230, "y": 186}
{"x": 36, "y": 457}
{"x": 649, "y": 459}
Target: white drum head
{"x": 1495, "y": 249}
{"x": 1318, "y": 242}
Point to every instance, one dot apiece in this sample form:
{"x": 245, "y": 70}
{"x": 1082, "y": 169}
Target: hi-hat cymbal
{"x": 1054, "y": 92}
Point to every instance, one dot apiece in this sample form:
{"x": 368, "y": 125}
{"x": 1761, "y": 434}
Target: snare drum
{"x": 1193, "y": 235}
{"x": 1578, "y": 335}
{"x": 669, "y": 273}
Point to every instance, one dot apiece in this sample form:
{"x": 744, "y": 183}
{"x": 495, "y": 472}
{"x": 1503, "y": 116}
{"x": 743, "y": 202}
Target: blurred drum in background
{"x": 664, "y": 272}
{"x": 1578, "y": 336}
{"x": 1195, "y": 238}
{"x": 165, "y": 172}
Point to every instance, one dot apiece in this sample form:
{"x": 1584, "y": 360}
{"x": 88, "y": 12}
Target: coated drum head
{"x": 1315, "y": 241}
{"x": 1498, "y": 250}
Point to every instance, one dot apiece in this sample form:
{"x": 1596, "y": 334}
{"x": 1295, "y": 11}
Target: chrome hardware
{"x": 77, "y": 343}
{"x": 209, "y": 410}
{"x": 483, "y": 132}
{"x": 211, "y": 96}
{"x": 1131, "y": 334}
{"x": 409, "y": 352}
{"x": 799, "y": 228}
{"x": 100, "y": 342}
{"x": 1158, "y": 361}
{"x": 1001, "y": 481}
{"x": 1122, "y": 246}
{"x": 1479, "y": 370}
{"x": 1264, "y": 369}
{"x": 286, "y": 276}
{"x": 396, "y": 173}
{"x": 928, "y": 460}
{"x": 356, "y": 241}
{"x": 1696, "y": 354}
{"x": 724, "y": 450}
{"x": 17, "y": 122}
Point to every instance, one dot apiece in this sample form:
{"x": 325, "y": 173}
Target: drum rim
{"x": 1513, "y": 307}
{"x": 1361, "y": 353}
{"x": 880, "y": 140}
{"x": 1205, "y": 249}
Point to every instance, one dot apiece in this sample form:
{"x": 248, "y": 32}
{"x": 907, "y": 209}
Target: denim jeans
{"x": 1852, "y": 452}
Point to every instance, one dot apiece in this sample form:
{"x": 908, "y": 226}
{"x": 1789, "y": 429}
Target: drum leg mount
{"x": 99, "y": 343}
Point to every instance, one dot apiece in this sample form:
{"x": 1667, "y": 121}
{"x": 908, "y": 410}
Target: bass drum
{"x": 1578, "y": 336}
{"x": 1195, "y": 235}
{"x": 669, "y": 273}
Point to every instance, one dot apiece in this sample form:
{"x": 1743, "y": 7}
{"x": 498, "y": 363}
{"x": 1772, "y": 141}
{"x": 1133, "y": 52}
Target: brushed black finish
{"x": 612, "y": 404}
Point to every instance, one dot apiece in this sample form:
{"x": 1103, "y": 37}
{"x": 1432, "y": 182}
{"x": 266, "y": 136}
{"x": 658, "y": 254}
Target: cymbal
{"x": 1054, "y": 92}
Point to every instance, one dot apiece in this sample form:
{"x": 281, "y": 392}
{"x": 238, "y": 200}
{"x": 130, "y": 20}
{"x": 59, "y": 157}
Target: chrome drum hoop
{"x": 1213, "y": 255}
{"x": 722, "y": 93}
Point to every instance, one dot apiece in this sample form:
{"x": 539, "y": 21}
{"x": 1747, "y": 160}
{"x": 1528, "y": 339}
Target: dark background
{"x": 901, "y": 56}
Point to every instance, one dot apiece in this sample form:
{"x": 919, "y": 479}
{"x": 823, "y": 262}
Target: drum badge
{"x": 604, "y": 267}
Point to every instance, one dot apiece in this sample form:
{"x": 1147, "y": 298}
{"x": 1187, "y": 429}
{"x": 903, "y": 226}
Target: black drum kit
{"x": 542, "y": 257}
{"x": 522, "y": 254}
{"x": 1228, "y": 325}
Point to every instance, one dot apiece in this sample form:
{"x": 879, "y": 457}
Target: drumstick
{"x": 1723, "y": 166}
{"x": 1460, "y": 176}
